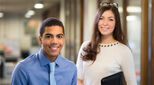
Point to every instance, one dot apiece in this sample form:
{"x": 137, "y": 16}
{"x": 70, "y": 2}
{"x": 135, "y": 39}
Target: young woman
{"x": 107, "y": 52}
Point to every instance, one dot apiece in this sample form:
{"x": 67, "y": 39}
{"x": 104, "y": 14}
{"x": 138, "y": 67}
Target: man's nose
{"x": 54, "y": 40}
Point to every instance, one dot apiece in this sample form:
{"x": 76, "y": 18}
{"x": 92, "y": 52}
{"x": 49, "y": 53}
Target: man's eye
{"x": 59, "y": 36}
{"x": 48, "y": 36}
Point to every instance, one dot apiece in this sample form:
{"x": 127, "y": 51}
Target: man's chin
{"x": 54, "y": 55}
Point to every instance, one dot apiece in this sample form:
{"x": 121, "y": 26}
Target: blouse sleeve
{"x": 79, "y": 63}
{"x": 128, "y": 67}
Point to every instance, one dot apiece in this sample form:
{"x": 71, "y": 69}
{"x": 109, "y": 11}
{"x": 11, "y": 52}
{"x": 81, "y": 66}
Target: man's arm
{"x": 74, "y": 80}
{"x": 19, "y": 77}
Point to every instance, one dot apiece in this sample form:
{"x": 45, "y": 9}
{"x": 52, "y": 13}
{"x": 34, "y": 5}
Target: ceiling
{"x": 22, "y": 6}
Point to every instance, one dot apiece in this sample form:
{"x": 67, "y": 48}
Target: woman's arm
{"x": 128, "y": 68}
{"x": 79, "y": 65}
{"x": 79, "y": 82}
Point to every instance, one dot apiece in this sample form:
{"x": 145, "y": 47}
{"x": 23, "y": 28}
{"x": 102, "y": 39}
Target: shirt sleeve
{"x": 74, "y": 80}
{"x": 128, "y": 67}
{"x": 19, "y": 77}
{"x": 79, "y": 63}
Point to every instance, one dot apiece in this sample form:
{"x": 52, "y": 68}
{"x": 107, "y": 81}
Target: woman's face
{"x": 106, "y": 23}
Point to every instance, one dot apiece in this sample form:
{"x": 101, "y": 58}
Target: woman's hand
{"x": 79, "y": 82}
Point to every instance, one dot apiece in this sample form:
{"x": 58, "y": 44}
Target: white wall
{"x": 12, "y": 28}
{"x": 62, "y": 18}
{"x": 90, "y": 8}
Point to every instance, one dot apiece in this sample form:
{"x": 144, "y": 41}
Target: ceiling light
{"x": 131, "y": 18}
{"x": 39, "y": 5}
{"x": 131, "y": 9}
{"x": 29, "y": 13}
{"x": 134, "y": 9}
{"x": 1, "y": 14}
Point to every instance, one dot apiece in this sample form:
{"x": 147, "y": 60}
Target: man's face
{"x": 52, "y": 41}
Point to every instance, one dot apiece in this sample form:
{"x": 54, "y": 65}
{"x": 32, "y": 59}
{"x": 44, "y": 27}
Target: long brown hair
{"x": 92, "y": 49}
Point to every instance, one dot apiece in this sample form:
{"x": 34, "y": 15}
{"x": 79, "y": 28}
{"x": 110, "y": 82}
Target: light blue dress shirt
{"x": 34, "y": 70}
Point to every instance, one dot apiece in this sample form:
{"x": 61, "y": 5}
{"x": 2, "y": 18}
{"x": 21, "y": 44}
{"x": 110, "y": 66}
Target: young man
{"x": 35, "y": 69}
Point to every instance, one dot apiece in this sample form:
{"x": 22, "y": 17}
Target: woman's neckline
{"x": 109, "y": 44}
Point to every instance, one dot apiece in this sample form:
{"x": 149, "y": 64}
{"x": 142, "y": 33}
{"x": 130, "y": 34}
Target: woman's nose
{"x": 104, "y": 22}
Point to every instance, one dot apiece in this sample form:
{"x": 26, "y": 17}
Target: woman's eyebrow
{"x": 111, "y": 17}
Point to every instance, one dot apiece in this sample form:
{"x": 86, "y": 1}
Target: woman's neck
{"x": 107, "y": 40}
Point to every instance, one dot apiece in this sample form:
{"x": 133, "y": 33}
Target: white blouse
{"x": 113, "y": 58}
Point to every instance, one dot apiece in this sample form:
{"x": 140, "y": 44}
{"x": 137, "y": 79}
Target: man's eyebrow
{"x": 52, "y": 34}
{"x": 48, "y": 34}
{"x": 61, "y": 34}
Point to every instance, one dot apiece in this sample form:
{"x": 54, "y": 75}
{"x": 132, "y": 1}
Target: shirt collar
{"x": 44, "y": 60}
{"x": 59, "y": 61}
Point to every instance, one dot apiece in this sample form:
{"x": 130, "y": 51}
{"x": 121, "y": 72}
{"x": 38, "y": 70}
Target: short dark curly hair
{"x": 50, "y": 22}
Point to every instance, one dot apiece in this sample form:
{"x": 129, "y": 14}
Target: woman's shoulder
{"x": 85, "y": 43}
{"x": 124, "y": 47}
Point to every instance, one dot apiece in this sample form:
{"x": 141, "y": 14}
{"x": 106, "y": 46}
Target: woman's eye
{"x": 111, "y": 20}
{"x": 100, "y": 18}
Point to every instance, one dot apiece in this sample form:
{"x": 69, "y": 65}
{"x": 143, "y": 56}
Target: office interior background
{"x": 20, "y": 21}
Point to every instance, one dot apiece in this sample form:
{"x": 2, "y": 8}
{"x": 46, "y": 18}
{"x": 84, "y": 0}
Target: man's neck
{"x": 52, "y": 58}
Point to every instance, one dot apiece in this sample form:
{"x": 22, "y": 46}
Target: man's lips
{"x": 53, "y": 48}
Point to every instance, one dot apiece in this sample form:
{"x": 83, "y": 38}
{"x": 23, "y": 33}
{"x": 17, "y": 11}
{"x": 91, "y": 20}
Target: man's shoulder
{"x": 27, "y": 61}
{"x": 68, "y": 62}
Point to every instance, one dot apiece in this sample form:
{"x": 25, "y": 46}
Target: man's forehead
{"x": 53, "y": 33}
{"x": 54, "y": 28}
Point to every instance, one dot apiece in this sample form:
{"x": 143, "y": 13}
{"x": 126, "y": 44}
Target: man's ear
{"x": 40, "y": 39}
{"x": 64, "y": 38}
